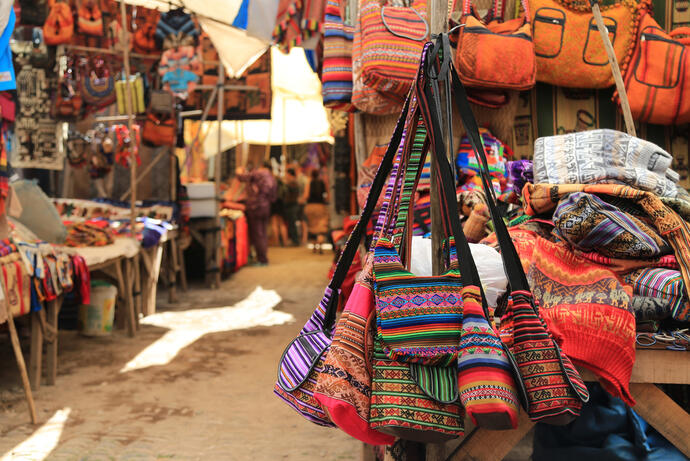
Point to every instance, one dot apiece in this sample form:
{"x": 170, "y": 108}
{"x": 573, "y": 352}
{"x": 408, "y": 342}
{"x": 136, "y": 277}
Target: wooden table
{"x": 653, "y": 405}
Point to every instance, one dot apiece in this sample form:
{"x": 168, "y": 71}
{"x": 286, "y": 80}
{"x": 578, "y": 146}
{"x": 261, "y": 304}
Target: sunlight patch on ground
{"x": 188, "y": 326}
{"x": 42, "y": 442}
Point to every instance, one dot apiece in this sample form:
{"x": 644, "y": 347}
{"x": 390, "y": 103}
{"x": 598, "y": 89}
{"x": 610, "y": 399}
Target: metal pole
{"x": 130, "y": 119}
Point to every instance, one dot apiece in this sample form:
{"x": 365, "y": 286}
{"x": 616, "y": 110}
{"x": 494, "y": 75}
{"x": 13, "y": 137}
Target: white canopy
{"x": 297, "y": 112}
{"x": 236, "y": 48}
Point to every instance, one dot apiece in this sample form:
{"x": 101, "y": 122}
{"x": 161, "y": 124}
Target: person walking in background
{"x": 261, "y": 192}
{"x": 316, "y": 210}
{"x": 291, "y": 206}
{"x": 279, "y": 234}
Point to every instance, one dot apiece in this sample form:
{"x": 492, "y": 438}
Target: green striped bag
{"x": 415, "y": 402}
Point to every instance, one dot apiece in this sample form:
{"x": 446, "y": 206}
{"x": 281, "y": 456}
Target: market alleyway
{"x": 123, "y": 399}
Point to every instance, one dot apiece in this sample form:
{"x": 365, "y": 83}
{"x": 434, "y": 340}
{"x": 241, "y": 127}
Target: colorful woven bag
{"x": 486, "y": 376}
{"x": 336, "y": 75}
{"x": 497, "y": 55}
{"x": 343, "y": 388}
{"x": 555, "y": 391}
{"x": 303, "y": 358}
{"x": 656, "y": 78}
{"x": 568, "y": 45}
{"x": 392, "y": 38}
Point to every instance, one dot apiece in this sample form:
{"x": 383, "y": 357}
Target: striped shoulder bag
{"x": 302, "y": 360}
{"x": 555, "y": 389}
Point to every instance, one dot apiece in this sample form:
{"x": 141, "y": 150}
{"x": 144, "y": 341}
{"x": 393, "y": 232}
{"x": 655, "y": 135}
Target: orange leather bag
{"x": 90, "y": 20}
{"x": 59, "y": 26}
{"x": 498, "y": 54}
{"x": 569, "y": 49}
{"x": 159, "y": 131}
{"x": 657, "y": 78}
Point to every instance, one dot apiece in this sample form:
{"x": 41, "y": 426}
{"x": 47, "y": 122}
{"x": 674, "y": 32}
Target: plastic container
{"x": 96, "y": 319}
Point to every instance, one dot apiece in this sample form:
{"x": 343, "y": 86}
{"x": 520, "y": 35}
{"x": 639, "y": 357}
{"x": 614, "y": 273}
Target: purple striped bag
{"x": 303, "y": 358}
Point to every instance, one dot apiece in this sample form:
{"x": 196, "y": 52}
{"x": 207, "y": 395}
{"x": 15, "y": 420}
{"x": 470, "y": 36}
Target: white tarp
{"x": 236, "y": 49}
{"x": 297, "y": 112}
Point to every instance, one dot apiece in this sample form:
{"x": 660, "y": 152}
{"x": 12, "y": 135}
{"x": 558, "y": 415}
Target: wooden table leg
{"x": 173, "y": 267}
{"x": 486, "y": 445}
{"x": 36, "y": 355}
{"x": 183, "y": 269}
{"x": 659, "y": 410}
{"x": 138, "y": 299}
{"x": 21, "y": 364}
{"x": 126, "y": 293}
{"x": 53, "y": 309}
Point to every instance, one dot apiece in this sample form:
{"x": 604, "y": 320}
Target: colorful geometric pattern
{"x": 555, "y": 390}
{"x": 398, "y": 401}
{"x": 485, "y": 374}
{"x": 418, "y": 318}
{"x": 665, "y": 285}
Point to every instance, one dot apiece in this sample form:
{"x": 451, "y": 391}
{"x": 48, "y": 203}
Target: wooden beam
{"x": 486, "y": 445}
{"x": 664, "y": 414}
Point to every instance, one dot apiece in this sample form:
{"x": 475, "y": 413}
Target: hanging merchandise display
{"x": 658, "y": 87}
{"x": 36, "y": 134}
{"x": 497, "y": 54}
{"x": 568, "y": 46}
{"x": 137, "y": 84}
{"x": 175, "y": 28}
{"x": 90, "y": 18}
{"x": 336, "y": 75}
{"x": 392, "y": 38}
{"x": 59, "y": 26}
{"x": 127, "y": 145}
{"x": 98, "y": 83}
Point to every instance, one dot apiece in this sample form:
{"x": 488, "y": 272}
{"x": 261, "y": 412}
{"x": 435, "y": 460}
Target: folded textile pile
{"x": 605, "y": 241}
{"x": 87, "y": 234}
{"x": 604, "y": 156}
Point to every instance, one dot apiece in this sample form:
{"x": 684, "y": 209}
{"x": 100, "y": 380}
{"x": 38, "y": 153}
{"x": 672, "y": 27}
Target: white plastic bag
{"x": 488, "y": 261}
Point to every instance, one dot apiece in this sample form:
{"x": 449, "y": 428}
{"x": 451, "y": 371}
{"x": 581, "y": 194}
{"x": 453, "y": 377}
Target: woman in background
{"x": 316, "y": 209}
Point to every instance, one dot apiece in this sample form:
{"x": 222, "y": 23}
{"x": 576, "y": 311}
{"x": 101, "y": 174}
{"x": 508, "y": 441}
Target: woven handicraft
{"x": 392, "y": 38}
{"x": 301, "y": 363}
{"x": 485, "y": 373}
{"x": 589, "y": 223}
{"x": 336, "y": 76}
{"x": 400, "y": 405}
{"x": 343, "y": 387}
{"x": 656, "y": 79}
{"x": 418, "y": 318}
{"x": 665, "y": 285}
{"x": 555, "y": 390}
{"x": 568, "y": 46}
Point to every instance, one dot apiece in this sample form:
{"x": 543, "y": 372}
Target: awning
{"x": 297, "y": 112}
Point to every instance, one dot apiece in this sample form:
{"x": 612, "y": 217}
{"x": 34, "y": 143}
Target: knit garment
{"x": 590, "y": 224}
{"x": 541, "y": 198}
{"x": 587, "y": 311}
{"x": 604, "y": 156}
{"x": 665, "y": 285}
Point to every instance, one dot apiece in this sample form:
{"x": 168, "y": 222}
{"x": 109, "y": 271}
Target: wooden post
{"x": 36, "y": 352}
{"x": 615, "y": 68}
{"x": 129, "y": 104}
{"x": 20, "y": 362}
{"x": 221, "y": 108}
{"x": 52, "y": 347}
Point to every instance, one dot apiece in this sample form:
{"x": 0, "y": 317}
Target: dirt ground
{"x": 213, "y": 401}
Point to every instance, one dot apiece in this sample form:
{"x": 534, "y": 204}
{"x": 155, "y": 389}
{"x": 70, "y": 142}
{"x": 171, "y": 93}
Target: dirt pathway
{"x": 212, "y": 401}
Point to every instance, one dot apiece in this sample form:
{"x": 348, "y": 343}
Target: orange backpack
{"x": 90, "y": 19}
{"x": 657, "y": 78}
{"x": 59, "y": 26}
